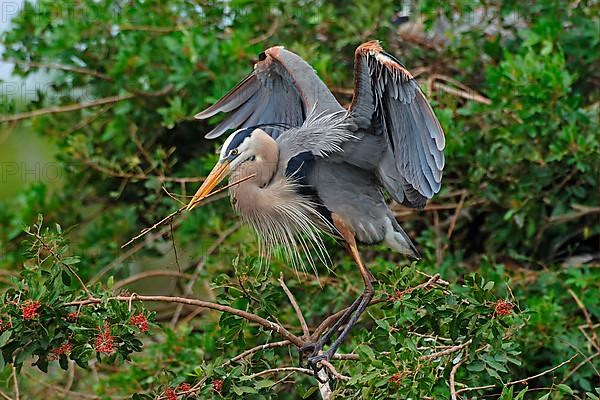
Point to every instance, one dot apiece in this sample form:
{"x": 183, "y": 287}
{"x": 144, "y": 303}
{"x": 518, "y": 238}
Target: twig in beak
{"x": 178, "y": 211}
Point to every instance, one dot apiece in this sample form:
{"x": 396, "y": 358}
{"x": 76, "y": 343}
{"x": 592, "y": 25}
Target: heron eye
{"x": 234, "y": 152}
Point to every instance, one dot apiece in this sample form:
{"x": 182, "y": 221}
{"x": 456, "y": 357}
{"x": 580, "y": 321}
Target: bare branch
{"x": 256, "y": 349}
{"x": 67, "y": 108}
{"x": 199, "y": 303}
{"x": 453, "y": 392}
{"x": 62, "y": 67}
{"x": 282, "y": 369}
{"x": 305, "y": 331}
{"x": 447, "y": 351}
{"x": 524, "y": 380}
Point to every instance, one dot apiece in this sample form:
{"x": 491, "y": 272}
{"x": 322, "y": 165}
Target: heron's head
{"x": 241, "y": 146}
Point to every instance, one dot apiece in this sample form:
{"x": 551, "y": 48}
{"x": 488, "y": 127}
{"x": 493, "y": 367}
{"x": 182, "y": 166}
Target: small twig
{"x": 469, "y": 389}
{"x": 334, "y": 372}
{"x": 454, "y": 219}
{"x": 5, "y": 396}
{"x": 272, "y": 29}
{"x": 16, "y": 383}
{"x": 66, "y": 108}
{"x": 447, "y": 351}
{"x": 543, "y": 373}
{"x": 256, "y": 349}
{"x": 281, "y": 369}
{"x": 305, "y": 331}
{"x": 181, "y": 209}
{"x": 581, "y": 364}
{"x": 62, "y": 67}
{"x": 453, "y": 392}
{"x": 588, "y": 319}
{"x": 80, "y": 106}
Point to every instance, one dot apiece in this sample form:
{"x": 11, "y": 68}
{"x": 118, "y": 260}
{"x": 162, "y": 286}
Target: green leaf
{"x": 265, "y": 383}
{"x": 564, "y": 388}
{"x": 5, "y": 337}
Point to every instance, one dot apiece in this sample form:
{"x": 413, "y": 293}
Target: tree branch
{"x": 305, "y": 331}
{"x": 198, "y": 303}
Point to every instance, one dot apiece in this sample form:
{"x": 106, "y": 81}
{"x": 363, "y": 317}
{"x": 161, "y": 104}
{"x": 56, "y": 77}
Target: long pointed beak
{"x": 218, "y": 173}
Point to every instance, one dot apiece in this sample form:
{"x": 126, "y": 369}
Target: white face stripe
{"x": 244, "y": 146}
{"x": 226, "y": 144}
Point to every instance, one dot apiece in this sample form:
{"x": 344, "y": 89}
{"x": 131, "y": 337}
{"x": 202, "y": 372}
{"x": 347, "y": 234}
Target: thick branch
{"x": 204, "y": 304}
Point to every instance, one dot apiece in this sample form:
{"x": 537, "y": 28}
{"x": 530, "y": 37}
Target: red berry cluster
{"x": 62, "y": 349}
{"x": 31, "y": 309}
{"x": 184, "y": 387}
{"x": 396, "y": 378}
{"x": 217, "y": 385}
{"x": 170, "y": 394}
{"x": 503, "y": 307}
{"x": 5, "y": 325}
{"x": 72, "y": 316}
{"x": 105, "y": 342}
{"x": 140, "y": 321}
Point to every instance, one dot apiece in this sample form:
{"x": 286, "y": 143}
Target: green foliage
{"x": 517, "y": 213}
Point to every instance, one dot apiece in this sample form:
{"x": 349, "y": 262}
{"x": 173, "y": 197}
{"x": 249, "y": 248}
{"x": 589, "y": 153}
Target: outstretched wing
{"x": 282, "y": 89}
{"x": 388, "y": 101}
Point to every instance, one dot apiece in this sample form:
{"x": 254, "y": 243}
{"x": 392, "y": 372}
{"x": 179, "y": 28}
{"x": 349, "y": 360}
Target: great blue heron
{"x": 319, "y": 168}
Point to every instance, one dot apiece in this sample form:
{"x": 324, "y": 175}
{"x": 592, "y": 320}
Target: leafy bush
{"x": 514, "y": 233}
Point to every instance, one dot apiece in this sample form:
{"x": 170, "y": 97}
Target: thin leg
{"x": 357, "y": 308}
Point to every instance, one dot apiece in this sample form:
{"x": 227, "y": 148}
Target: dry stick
{"x": 80, "y": 106}
{"x": 543, "y": 373}
{"x": 454, "y": 219}
{"x": 446, "y": 351}
{"x": 468, "y": 389}
{"x": 16, "y": 383}
{"x": 268, "y": 34}
{"x": 67, "y": 108}
{"x": 333, "y": 371}
{"x": 69, "y": 68}
{"x": 305, "y": 331}
{"x": 453, "y": 392}
{"x": 588, "y": 319}
{"x": 256, "y": 349}
{"x": 581, "y": 364}
{"x": 5, "y": 396}
{"x": 200, "y": 266}
{"x": 199, "y": 303}
{"x": 282, "y": 369}
{"x": 178, "y": 211}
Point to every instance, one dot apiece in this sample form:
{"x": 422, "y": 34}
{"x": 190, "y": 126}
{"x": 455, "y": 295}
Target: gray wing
{"x": 282, "y": 89}
{"x": 388, "y": 102}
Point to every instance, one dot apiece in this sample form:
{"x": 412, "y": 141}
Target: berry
{"x": 140, "y": 321}
{"x": 31, "y": 309}
{"x": 217, "y": 385}
{"x": 105, "y": 342}
{"x": 170, "y": 394}
{"x": 503, "y": 307}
